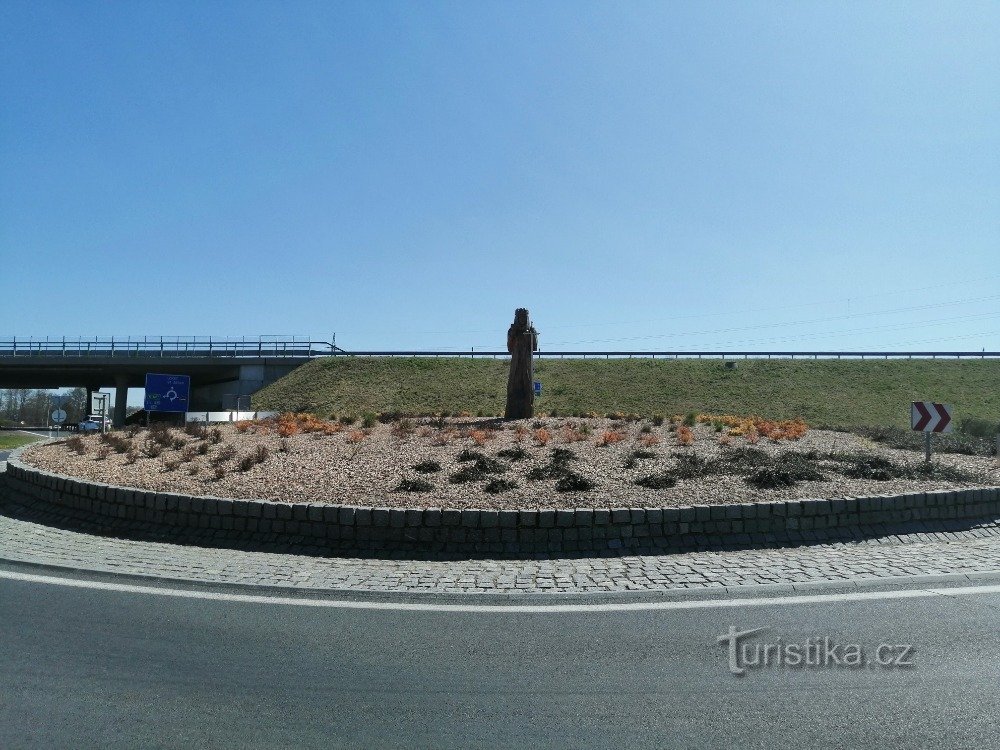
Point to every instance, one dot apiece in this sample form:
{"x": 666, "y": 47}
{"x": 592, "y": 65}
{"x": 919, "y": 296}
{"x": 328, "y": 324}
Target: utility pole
{"x": 522, "y": 341}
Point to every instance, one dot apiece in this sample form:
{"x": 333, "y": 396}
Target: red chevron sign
{"x": 928, "y": 416}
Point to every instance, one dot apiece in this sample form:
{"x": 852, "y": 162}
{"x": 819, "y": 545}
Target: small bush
{"x": 570, "y": 481}
{"x": 171, "y": 464}
{"x": 215, "y": 436}
{"x": 685, "y": 436}
{"x": 649, "y": 440}
{"x": 355, "y": 436}
{"x": 402, "y": 429}
{"x": 368, "y": 421}
{"x": 261, "y": 454}
{"x": 469, "y": 455}
{"x": 690, "y": 419}
{"x": 77, "y": 445}
{"x": 219, "y": 472}
{"x": 226, "y": 453}
{"x": 657, "y": 420}
{"x": 195, "y": 429}
{"x": 542, "y": 436}
{"x": 496, "y": 486}
{"x": 193, "y": 469}
{"x": 103, "y": 452}
{"x": 657, "y": 481}
{"x": 131, "y": 457}
{"x": 153, "y": 449}
{"x": 246, "y": 462}
{"x": 347, "y": 419}
{"x": 284, "y": 446}
{"x": 517, "y": 453}
{"x": 202, "y": 448}
{"x": 610, "y": 437}
{"x": 413, "y": 485}
{"x": 189, "y": 453}
{"x": 427, "y": 467}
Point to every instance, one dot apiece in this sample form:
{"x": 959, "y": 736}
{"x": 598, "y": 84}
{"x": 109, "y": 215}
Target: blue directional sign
{"x": 538, "y": 389}
{"x": 167, "y": 392}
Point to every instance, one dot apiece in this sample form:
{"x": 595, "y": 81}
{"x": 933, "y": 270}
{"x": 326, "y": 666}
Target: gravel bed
{"x": 331, "y": 468}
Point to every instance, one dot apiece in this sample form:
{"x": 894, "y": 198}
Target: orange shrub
{"x": 649, "y": 440}
{"x": 542, "y": 436}
{"x": 573, "y": 435}
{"x": 725, "y": 440}
{"x": 356, "y": 436}
{"x": 520, "y": 432}
{"x": 479, "y": 437}
{"x": 243, "y": 425}
{"x": 610, "y": 437}
{"x": 685, "y": 435}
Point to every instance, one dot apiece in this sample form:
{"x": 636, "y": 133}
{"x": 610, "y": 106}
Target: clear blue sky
{"x": 663, "y": 175}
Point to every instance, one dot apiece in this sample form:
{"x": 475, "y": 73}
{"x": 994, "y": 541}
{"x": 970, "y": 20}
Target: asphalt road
{"x": 82, "y": 668}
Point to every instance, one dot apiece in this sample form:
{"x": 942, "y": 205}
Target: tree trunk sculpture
{"x": 522, "y": 340}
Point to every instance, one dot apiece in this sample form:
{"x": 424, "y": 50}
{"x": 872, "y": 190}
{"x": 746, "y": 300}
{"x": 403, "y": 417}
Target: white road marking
{"x": 852, "y": 596}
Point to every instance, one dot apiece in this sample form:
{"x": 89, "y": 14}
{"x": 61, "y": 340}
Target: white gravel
{"x": 329, "y": 468}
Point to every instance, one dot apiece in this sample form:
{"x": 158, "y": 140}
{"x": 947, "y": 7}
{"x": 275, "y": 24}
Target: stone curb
{"x": 486, "y": 531}
{"x": 747, "y": 591}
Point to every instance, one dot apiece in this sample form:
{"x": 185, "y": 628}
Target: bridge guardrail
{"x": 164, "y": 347}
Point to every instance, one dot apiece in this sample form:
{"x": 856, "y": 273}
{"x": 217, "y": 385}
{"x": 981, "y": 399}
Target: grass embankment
{"x": 11, "y": 440}
{"x": 842, "y": 393}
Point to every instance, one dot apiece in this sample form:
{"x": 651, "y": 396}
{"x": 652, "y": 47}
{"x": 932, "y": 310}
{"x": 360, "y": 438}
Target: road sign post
{"x": 930, "y": 417}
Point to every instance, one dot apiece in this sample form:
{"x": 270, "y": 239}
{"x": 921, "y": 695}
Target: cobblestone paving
{"x": 972, "y": 550}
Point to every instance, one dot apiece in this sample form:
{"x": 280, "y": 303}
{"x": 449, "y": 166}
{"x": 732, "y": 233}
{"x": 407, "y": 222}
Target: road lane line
{"x": 851, "y": 596}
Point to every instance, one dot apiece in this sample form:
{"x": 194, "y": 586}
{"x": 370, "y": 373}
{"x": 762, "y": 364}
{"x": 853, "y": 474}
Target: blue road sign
{"x": 167, "y": 392}
{"x": 538, "y": 388}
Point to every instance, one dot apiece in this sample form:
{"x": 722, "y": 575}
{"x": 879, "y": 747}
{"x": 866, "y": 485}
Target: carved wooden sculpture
{"x": 522, "y": 340}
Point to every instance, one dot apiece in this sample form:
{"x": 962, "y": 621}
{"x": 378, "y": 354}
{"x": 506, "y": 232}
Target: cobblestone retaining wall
{"x": 504, "y": 531}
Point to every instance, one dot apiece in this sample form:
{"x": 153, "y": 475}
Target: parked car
{"x": 93, "y": 424}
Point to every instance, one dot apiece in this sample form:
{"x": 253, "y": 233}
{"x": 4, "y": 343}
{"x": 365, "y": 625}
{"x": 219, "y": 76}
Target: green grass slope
{"x": 832, "y": 392}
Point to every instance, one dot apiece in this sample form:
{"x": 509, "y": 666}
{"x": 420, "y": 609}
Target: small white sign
{"x": 58, "y": 416}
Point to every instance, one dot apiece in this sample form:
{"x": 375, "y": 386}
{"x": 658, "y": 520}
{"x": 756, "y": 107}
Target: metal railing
{"x": 293, "y": 346}
{"x": 166, "y": 346}
{"x": 686, "y": 354}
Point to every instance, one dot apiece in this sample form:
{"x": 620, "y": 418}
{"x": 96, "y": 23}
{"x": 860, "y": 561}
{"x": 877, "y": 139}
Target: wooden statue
{"x": 522, "y": 340}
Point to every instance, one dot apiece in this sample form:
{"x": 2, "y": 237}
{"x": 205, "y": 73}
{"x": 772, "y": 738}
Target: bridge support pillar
{"x": 121, "y": 400}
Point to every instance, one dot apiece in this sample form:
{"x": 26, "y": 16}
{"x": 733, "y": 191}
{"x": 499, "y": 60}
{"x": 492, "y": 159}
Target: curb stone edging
{"x": 480, "y": 531}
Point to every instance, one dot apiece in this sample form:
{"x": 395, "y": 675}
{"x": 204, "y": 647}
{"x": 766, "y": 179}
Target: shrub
{"x": 77, "y": 445}
{"x": 153, "y": 449}
{"x": 477, "y": 470}
{"x": 284, "y": 446}
{"x": 516, "y": 453}
{"x": 690, "y": 419}
{"x": 542, "y": 436}
{"x": 479, "y": 437}
{"x": 685, "y": 436}
{"x": 520, "y": 432}
{"x": 215, "y": 436}
{"x": 413, "y": 485}
{"x": 657, "y": 481}
{"x": 573, "y": 435}
{"x": 368, "y": 421}
{"x": 347, "y": 419}
{"x": 131, "y": 457}
{"x": 193, "y": 469}
{"x": 427, "y": 467}
{"x": 225, "y": 453}
{"x": 649, "y": 440}
{"x": 355, "y": 436}
{"x": 402, "y": 429}
{"x": 261, "y": 454}
{"x": 171, "y": 464}
{"x": 496, "y": 486}
{"x": 610, "y": 437}
{"x": 195, "y": 429}
{"x": 189, "y": 453}
{"x": 570, "y": 481}
{"x": 219, "y": 472}
{"x": 243, "y": 425}
{"x": 657, "y": 420}
{"x": 103, "y": 452}
{"x": 202, "y": 448}
{"x": 247, "y": 462}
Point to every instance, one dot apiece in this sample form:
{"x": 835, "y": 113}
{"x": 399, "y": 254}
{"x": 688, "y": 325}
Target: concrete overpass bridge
{"x": 221, "y": 370}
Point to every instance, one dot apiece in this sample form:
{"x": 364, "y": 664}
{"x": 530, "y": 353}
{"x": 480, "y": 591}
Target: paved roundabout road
{"x": 120, "y": 643}
{"x": 89, "y": 662}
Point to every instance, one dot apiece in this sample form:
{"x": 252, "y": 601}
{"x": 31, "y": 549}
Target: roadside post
{"x": 930, "y": 417}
